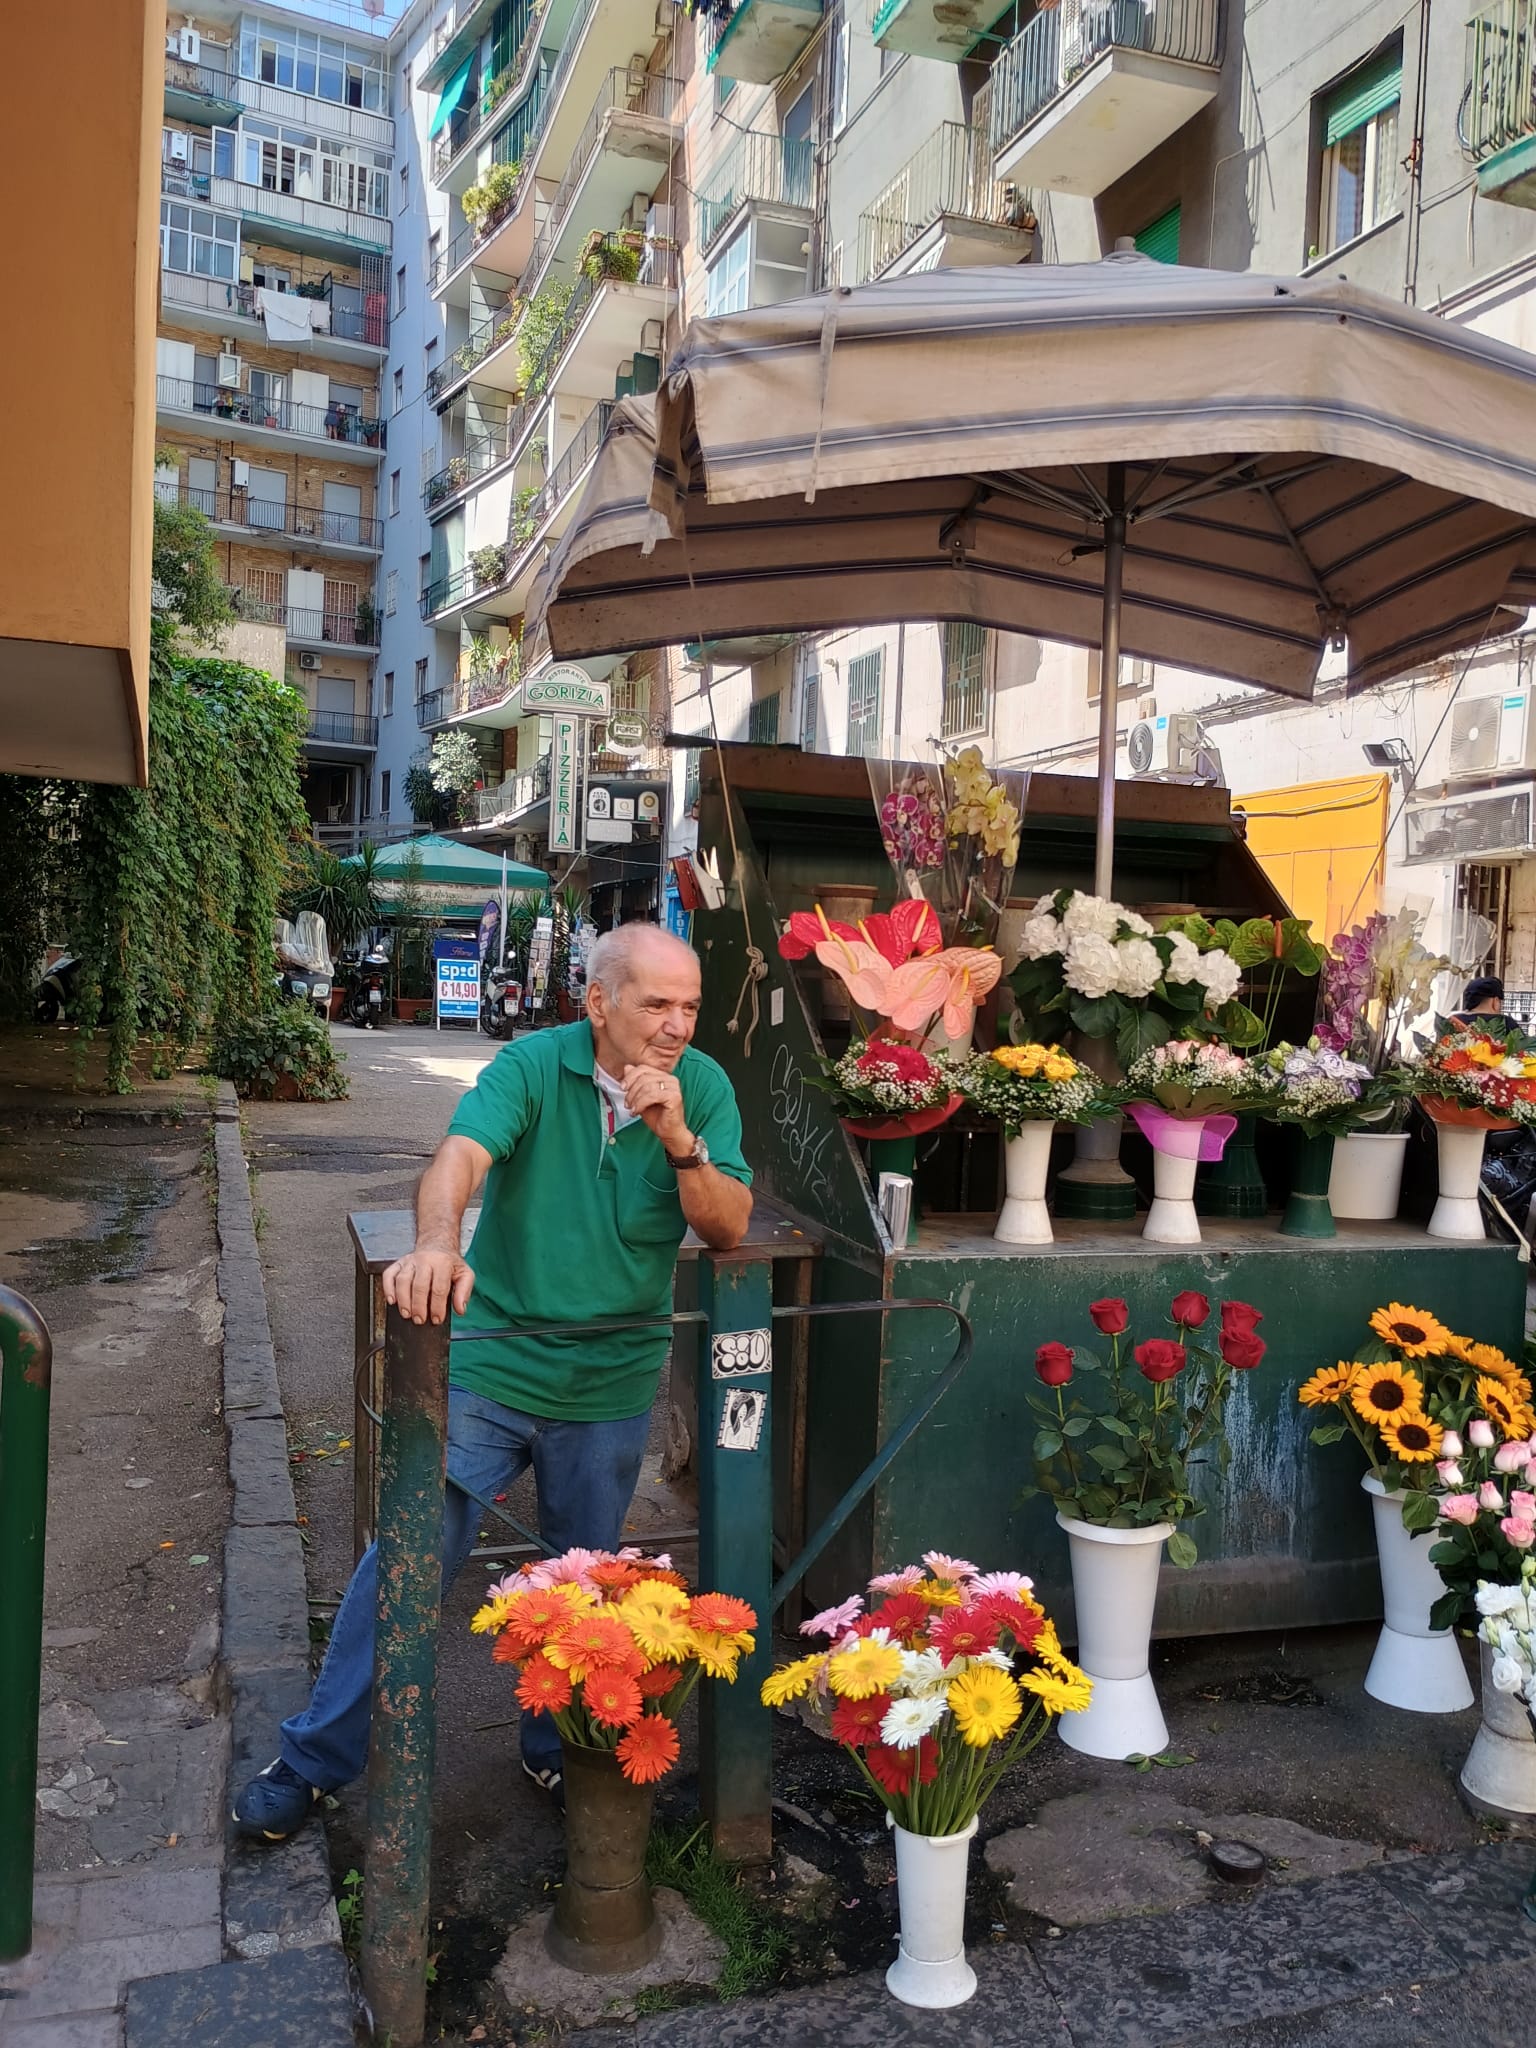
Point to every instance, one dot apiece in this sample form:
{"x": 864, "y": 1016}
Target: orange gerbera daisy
{"x": 533, "y": 1616}
{"x": 611, "y": 1697}
{"x": 661, "y": 1575}
{"x": 505, "y": 1651}
{"x": 613, "y": 1574}
{"x": 722, "y": 1614}
{"x": 656, "y": 1683}
{"x": 588, "y": 1641}
{"x": 649, "y": 1750}
{"x": 542, "y": 1688}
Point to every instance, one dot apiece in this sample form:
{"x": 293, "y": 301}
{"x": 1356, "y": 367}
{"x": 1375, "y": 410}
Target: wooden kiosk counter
{"x": 1287, "y": 1541}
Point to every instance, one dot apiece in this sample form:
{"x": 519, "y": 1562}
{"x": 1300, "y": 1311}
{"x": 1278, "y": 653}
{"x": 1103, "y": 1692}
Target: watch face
{"x": 701, "y": 1151}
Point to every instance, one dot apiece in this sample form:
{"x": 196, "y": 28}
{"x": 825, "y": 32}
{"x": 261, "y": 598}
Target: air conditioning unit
{"x": 229, "y": 372}
{"x": 309, "y": 661}
{"x": 177, "y": 142}
{"x": 1486, "y": 825}
{"x": 189, "y": 44}
{"x": 1490, "y": 734}
{"x": 1166, "y": 745}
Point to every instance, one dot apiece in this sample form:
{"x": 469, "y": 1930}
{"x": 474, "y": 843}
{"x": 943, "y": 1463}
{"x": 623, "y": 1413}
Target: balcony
{"x": 1080, "y": 98}
{"x": 944, "y": 208}
{"x": 206, "y": 94}
{"x": 515, "y": 794}
{"x": 355, "y": 328}
{"x": 758, "y": 169}
{"x": 236, "y": 511}
{"x": 763, "y": 38}
{"x": 453, "y": 151}
{"x": 351, "y": 729}
{"x": 312, "y": 224}
{"x": 211, "y": 96}
{"x": 1498, "y": 109}
{"x": 482, "y": 453}
{"x": 276, "y": 422}
{"x": 304, "y": 626}
{"x": 433, "y": 708}
{"x": 945, "y": 30}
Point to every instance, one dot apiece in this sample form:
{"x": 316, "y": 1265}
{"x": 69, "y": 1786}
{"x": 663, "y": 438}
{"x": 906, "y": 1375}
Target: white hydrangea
{"x": 1092, "y": 916}
{"x": 1140, "y": 967}
{"x": 1092, "y": 966}
{"x": 1185, "y": 964}
{"x": 1134, "y": 921}
{"x": 1221, "y": 975}
{"x": 1040, "y": 936}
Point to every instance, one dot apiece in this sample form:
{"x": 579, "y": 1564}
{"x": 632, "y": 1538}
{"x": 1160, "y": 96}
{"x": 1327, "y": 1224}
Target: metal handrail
{"x": 1499, "y": 104}
{"x": 26, "y": 1364}
{"x": 523, "y": 526}
{"x": 1052, "y": 51}
{"x": 303, "y": 622}
{"x": 235, "y": 195}
{"x": 311, "y": 110}
{"x": 431, "y": 708}
{"x": 264, "y": 515}
{"x": 343, "y": 728}
{"x": 950, "y": 174}
{"x": 771, "y": 168}
{"x": 231, "y": 298}
{"x": 282, "y": 415}
{"x": 647, "y": 94}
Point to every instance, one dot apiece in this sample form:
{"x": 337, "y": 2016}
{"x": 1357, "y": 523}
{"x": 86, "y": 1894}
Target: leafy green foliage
{"x": 341, "y": 892}
{"x": 543, "y": 320}
{"x": 455, "y": 769}
{"x": 191, "y": 589}
{"x": 429, "y": 805}
{"x": 287, "y": 1044}
{"x": 482, "y": 204}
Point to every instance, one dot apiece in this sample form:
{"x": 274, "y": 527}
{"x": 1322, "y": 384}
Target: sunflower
{"x": 1380, "y": 1392}
{"x": 1513, "y": 1417}
{"x": 985, "y": 1703}
{"x": 1413, "y": 1331}
{"x": 866, "y": 1668}
{"x": 1328, "y": 1385}
{"x": 1460, "y": 1347}
{"x": 1066, "y": 1691}
{"x": 791, "y": 1680}
{"x": 1412, "y": 1439}
{"x": 1489, "y": 1360}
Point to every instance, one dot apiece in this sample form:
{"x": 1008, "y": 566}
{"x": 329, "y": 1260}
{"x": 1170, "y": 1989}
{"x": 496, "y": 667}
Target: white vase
{"x": 1024, "y": 1218}
{"x": 1461, "y": 1165}
{"x": 1499, "y": 1775}
{"x": 1415, "y": 1667}
{"x": 1367, "y": 1180}
{"x": 1171, "y": 1218}
{"x": 1114, "y": 1589}
{"x": 930, "y": 1969}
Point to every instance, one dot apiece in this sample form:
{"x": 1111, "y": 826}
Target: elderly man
{"x": 599, "y": 1144}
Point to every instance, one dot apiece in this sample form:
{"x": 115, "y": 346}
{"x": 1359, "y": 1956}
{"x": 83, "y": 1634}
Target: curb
{"x": 286, "y": 1978}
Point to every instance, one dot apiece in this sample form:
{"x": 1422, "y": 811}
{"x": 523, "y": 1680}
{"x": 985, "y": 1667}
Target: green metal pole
{"x": 26, "y": 1364}
{"x": 396, "y": 1895}
{"x": 736, "y": 1544}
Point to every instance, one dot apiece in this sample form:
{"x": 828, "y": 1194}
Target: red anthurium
{"x": 910, "y": 926}
{"x": 807, "y": 929}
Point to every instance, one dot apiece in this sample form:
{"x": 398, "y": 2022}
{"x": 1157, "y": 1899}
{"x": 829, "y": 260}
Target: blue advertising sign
{"x": 457, "y": 977}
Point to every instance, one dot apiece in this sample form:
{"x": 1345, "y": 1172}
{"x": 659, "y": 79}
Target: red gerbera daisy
{"x": 857, "y": 1722}
{"x": 506, "y": 1651}
{"x": 891, "y": 1769}
{"x": 649, "y": 1750}
{"x": 611, "y": 1697}
{"x": 904, "y": 1614}
{"x": 542, "y": 1688}
{"x": 656, "y": 1683}
{"x": 1013, "y": 1617}
{"x": 964, "y": 1631}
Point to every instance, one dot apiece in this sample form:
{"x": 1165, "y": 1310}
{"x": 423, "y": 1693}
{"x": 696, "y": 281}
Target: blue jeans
{"x": 585, "y": 1473}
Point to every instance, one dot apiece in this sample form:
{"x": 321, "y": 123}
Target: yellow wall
{"x": 81, "y": 95}
{"x": 1323, "y": 845}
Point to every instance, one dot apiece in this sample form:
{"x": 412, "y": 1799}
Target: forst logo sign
{"x": 566, "y": 688}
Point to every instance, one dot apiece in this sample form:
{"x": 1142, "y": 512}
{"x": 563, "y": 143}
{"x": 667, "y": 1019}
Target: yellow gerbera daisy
{"x": 1413, "y": 1331}
{"x": 1060, "y": 1692}
{"x": 1328, "y": 1385}
{"x": 1412, "y": 1439}
{"x": 936, "y": 1595}
{"x": 1380, "y": 1392}
{"x": 869, "y": 1667}
{"x": 1513, "y": 1417}
{"x": 719, "y": 1655}
{"x": 490, "y": 1619}
{"x": 665, "y": 1638}
{"x": 790, "y": 1682}
{"x": 653, "y": 1596}
{"x": 1047, "y": 1644}
{"x": 985, "y": 1703}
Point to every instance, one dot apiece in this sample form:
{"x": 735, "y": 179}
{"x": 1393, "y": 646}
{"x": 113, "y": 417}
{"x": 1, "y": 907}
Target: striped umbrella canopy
{"x": 1220, "y": 471}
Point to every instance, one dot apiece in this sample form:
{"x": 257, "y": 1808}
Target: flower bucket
{"x": 1096, "y": 1188}
{"x": 1179, "y": 1144}
{"x": 1366, "y": 1183}
{"x": 1233, "y": 1185}
{"x": 1026, "y": 1162}
{"x": 844, "y": 903}
{"x": 1307, "y": 1211}
{"x": 1114, "y": 1587}
{"x": 1416, "y": 1667}
{"x": 930, "y": 1969}
{"x": 604, "y": 1919}
{"x": 1499, "y": 1775}
{"x": 1460, "y": 1135}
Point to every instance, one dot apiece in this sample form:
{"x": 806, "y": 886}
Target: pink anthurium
{"x": 865, "y": 973}
{"x": 976, "y": 972}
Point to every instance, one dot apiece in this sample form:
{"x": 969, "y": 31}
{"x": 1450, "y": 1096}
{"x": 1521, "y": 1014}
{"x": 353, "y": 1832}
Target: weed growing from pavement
{"x": 349, "y": 1911}
{"x": 756, "y": 1947}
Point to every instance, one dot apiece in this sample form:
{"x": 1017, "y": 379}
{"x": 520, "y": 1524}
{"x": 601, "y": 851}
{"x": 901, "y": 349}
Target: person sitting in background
{"x": 1482, "y": 1001}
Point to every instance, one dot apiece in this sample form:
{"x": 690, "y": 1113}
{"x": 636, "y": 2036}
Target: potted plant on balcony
{"x": 612, "y": 256}
{"x": 365, "y": 623}
{"x": 488, "y": 565}
{"x": 485, "y": 205}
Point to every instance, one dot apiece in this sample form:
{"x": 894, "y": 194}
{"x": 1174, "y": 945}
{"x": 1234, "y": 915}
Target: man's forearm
{"x": 717, "y": 1207}
{"x": 444, "y": 1194}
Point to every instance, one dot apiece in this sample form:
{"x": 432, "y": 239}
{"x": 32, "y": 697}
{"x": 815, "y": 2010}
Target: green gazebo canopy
{"x": 448, "y": 861}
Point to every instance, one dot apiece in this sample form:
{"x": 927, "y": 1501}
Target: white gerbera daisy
{"x": 908, "y": 1721}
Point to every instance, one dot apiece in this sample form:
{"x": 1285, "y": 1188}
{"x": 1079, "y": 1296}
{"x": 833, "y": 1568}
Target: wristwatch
{"x": 699, "y": 1156}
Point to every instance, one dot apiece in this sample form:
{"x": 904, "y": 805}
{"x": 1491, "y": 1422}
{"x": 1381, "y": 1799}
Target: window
{"x": 837, "y": 78}
{"x": 423, "y": 573}
{"x": 691, "y": 780}
{"x": 399, "y": 390}
{"x": 394, "y": 492}
{"x": 387, "y": 705}
{"x": 198, "y": 243}
{"x": 728, "y": 278}
{"x": 1159, "y": 239}
{"x": 964, "y": 704}
{"x": 384, "y": 782}
{"x": 325, "y": 67}
{"x": 1136, "y": 675}
{"x": 810, "y": 709}
{"x": 400, "y": 290}
{"x": 1358, "y": 189}
{"x": 434, "y": 247}
{"x": 763, "y": 721}
{"x": 429, "y": 357}
{"x": 405, "y": 186}
{"x": 367, "y": 782}
{"x": 264, "y": 596}
{"x": 864, "y": 702}
{"x": 421, "y": 678}
{"x": 391, "y": 583}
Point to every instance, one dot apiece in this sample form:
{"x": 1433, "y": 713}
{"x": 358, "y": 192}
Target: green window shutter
{"x": 1363, "y": 95}
{"x": 1160, "y": 238}
{"x": 864, "y": 702}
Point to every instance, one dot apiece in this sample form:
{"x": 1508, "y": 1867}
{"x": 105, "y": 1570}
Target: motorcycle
{"x": 58, "y": 991}
{"x": 367, "y": 997}
{"x": 1508, "y": 1181}
{"x": 501, "y": 997}
{"x": 297, "y": 985}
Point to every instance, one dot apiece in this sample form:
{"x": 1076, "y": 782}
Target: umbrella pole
{"x": 1109, "y": 680}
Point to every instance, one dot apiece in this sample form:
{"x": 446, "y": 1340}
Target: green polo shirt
{"x": 576, "y": 1226}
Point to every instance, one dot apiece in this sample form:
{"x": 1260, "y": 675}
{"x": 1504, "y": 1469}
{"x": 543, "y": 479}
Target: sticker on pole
{"x": 741, "y": 1420}
{"x": 735, "y": 1352}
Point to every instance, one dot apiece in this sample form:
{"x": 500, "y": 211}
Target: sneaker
{"x": 274, "y": 1803}
{"x": 548, "y": 1779}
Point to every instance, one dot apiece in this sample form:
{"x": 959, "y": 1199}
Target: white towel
{"x": 319, "y": 315}
{"x": 285, "y": 316}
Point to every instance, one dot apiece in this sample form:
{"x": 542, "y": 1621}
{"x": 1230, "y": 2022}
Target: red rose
{"x": 1238, "y": 1319}
{"x": 1242, "y": 1351}
{"x": 1190, "y": 1309}
{"x": 1109, "y": 1316}
{"x": 1053, "y": 1362}
{"x": 1160, "y": 1359}
{"x": 908, "y": 1063}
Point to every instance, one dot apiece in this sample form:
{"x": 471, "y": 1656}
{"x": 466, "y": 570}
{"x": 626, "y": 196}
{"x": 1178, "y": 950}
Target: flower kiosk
{"x": 875, "y": 1114}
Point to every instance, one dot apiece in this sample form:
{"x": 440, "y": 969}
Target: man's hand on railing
{"x": 422, "y": 1284}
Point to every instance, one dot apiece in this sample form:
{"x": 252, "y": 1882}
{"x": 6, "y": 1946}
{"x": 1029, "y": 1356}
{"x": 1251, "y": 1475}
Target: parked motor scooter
{"x": 501, "y": 997}
{"x": 58, "y": 991}
{"x": 1508, "y": 1180}
{"x": 298, "y": 985}
{"x": 367, "y": 998}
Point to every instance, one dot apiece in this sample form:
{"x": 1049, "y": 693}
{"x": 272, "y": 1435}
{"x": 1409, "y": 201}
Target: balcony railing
{"x": 950, "y": 174}
{"x": 367, "y": 322}
{"x": 483, "y": 687}
{"x": 526, "y": 519}
{"x": 481, "y": 455}
{"x": 758, "y": 166}
{"x": 302, "y": 622}
{"x": 432, "y": 708}
{"x": 315, "y": 216}
{"x": 180, "y": 181}
{"x": 1499, "y": 105}
{"x": 486, "y": 334}
{"x": 279, "y": 415}
{"x": 307, "y": 110}
{"x": 343, "y": 728}
{"x": 263, "y": 515}
{"x": 515, "y": 794}
{"x": 1052, "y": 51}
{"x": 647, "y": 95}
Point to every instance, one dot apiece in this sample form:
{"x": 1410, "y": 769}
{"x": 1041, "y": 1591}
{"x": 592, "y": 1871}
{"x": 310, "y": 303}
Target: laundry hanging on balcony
{"x": 285, "y": 315}
{"x": 453, "y": 92}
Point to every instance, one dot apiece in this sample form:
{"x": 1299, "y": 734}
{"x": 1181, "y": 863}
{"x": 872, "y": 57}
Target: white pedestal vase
{"x": 1499, "y": 1775}
{"x": 1415, "y": 1667}
{"x": 1456, "y": 1214}
{"x": 1024, "y": 1218}
{"x": 1114, "y": 1589}
{"x": 930, "y": 1969}
{"x": 1172, "y": 1218}
{"x": 1366, "y": 1184}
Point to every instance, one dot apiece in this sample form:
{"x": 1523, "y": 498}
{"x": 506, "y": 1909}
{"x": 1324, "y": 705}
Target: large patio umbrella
{"x": 449, "y": 861}
{"x": 1226, "y": 472}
